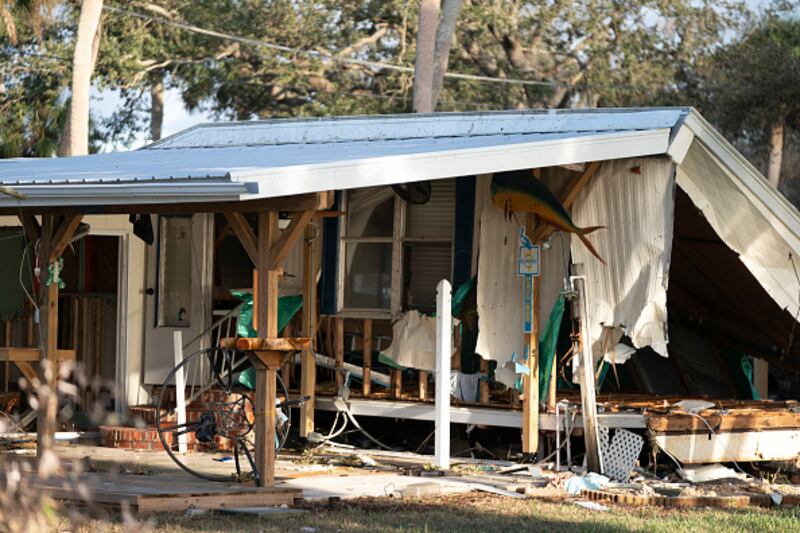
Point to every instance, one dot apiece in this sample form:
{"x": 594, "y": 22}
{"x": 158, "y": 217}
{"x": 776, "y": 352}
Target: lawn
{"x": 466, "y": 512}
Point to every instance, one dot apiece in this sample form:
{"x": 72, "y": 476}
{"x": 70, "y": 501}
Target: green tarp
{"x": 548, "y": 341}
{"x": 288, "y": 306}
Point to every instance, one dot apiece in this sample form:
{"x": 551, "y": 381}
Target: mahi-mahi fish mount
{"x": 519, "y": 190}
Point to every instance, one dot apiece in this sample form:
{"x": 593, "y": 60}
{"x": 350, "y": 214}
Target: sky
{"x": 176, "y": 116}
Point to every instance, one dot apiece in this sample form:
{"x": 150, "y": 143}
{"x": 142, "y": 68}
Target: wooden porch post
{"x": 267, "y": 328}
{"x": 48, "y": 316}
{"x": 530, "y": 405}
{"x": 54, "y": 238}
{"x": 308, "y": 380}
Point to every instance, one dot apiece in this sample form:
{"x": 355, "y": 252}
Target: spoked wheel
{"x": 219, "y": 426}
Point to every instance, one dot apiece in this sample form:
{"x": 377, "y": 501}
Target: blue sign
{"x": 527, "y": 267}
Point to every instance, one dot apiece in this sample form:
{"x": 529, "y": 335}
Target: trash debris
{"x": 366, "y": 460}
{"x": 693, "y": 406}
{"x": 420, "y": 490}
{"x": 623, "y": 452}
{"x": 700, "y": 474}
{"x": 590, "y": 481}
{"x": 594, "y": 506}
{"x": 496, "y": 490}
{"x": 226, "y": 459}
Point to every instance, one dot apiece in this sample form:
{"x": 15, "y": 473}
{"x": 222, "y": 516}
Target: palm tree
{"x": 75, "y": 139}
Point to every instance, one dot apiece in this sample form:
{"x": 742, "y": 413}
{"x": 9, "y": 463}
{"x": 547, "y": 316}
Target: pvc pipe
{"x": 180, "y": 385}
{"x": 444, "y": 351}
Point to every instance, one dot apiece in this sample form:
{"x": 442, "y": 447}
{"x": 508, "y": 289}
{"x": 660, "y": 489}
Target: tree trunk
{"x": 156, "y": 107}
{"x": 77, "y": 136}
{"x": 451, "y": 9}
{"x": 423, "y": 63}
{"x": 775, "y": 153}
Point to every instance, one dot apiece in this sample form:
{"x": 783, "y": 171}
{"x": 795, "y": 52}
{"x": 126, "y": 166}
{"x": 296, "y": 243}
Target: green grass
{"x": 472, "y": 512}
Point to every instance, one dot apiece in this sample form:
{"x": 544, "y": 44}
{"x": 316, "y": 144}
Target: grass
{"x": 467, "y": 512}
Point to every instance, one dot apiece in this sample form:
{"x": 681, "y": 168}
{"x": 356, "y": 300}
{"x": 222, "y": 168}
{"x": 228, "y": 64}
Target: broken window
{"x": 395, "y": 253}
{"x": 174, "y": 272}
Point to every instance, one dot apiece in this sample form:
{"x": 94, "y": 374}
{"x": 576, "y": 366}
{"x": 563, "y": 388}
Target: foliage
{"x": 755, "y": 82}
{"x": 32, "y": 59}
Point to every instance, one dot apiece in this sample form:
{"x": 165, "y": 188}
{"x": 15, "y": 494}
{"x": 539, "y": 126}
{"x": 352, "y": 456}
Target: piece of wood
{"x": 339, "y": 350}
{"x": 586, "y": 380}
{"x": 33, "y": 355}
{"x": 266, "y": 308}
{"x": 280, "y": 250}
{"x": 244, "y": 232}
{"x": 63, "y": 236}
{"x": 279, "y": 344}
{"x": 423, "y": 385}
{"x": 33, "y": 231}
{"x": 483, "y": 387}
{"x": 98, "y": 337}
{"x": 761, "y": 377}
{"x": 530, "y": 382}
{"x": 222, "y": 235}
{"x": 48, "y": 399}
{"x": 552, "y": 391}
{"x": 759, "y": 420}
{"x": 300, "y": 202}
{"x": 571, "y": 193}
{"x": 7, "y": 365}
{"x": 366, "y": 387}
{"x": 308, "y": 365}
{"x": 27, "y": 370}
{"x": 396, "y": 387}
{"x": 161, "y": 493}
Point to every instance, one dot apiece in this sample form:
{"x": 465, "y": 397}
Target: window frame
{"x": 398, "y": 241}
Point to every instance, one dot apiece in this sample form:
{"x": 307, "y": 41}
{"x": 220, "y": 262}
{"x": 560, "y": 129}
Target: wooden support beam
{"x": 367, "y": 381}
{"x": 277, "y": 344}
{"x": 63, "y": 236}
{"x": 423, "y": 385}
{"x": 396, "y": 386}
{"x": 31, "y": 226}
{"x": 567, "y": 199}
{"x": 223, "y": 234}
{"x": 47, "y": 393}
{"x": 530, "y": 382}
{"x": 287, "y": 239}
{"x": 301, "y": 202}
{"x": 308, "y": 368}
{"x": 266, "y": 309}
{"x": 339, "y": 350}
{"x": 8, "y": 342}
{"x": 484, "y": 383}
{"x": 244, "y": 232}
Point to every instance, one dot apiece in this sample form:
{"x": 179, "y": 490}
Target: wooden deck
{"x": 161, "y": 493}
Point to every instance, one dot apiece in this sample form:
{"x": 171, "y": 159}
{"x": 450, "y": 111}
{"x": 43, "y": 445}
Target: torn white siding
{"x": 743, "y": 223}
{"x": 499, "y": 288}
{"x": 634, "y": 199}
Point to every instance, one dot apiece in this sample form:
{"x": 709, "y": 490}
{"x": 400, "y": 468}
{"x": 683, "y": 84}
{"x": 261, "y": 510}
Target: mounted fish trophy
{"x": 519, "y": 190}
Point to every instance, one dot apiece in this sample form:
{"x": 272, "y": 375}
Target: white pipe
{"x": 180, "y": 385}
{"x": 329, "y": 362}
{"x": 444, "y": 351}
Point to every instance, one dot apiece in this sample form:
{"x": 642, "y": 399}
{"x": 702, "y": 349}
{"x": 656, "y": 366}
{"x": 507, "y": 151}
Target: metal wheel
{"x": 219, "y": 426}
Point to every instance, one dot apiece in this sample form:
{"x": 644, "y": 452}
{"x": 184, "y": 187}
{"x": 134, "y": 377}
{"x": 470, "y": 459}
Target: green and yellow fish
{"x": 519, "y": 190}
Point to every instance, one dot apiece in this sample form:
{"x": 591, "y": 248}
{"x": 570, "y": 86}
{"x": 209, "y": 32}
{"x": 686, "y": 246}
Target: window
{"x": 174, "y": 272}
{"x": 393, "y": 254}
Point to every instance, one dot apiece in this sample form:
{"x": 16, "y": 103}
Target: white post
{"x": 180, "y": 385}
{"x": 444, "y": 350}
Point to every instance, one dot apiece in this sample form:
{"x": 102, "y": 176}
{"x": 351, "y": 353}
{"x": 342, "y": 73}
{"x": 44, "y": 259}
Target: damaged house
{"x": 689, "y": 290}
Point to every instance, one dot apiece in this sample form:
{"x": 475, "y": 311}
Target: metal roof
{"x": 261, "y": 159}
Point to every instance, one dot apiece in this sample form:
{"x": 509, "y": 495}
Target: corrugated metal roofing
{"x": 247, "y": 160}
